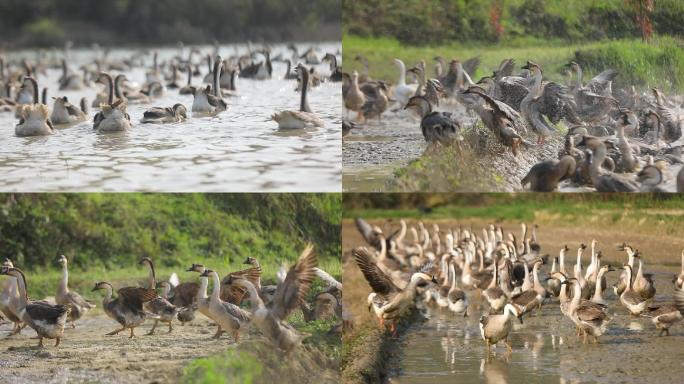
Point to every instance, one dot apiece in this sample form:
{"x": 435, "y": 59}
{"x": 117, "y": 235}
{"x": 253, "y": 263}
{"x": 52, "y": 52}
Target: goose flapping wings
{"x": 291, "y": 292}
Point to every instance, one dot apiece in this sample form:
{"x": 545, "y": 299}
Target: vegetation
{"x": 435, "y": 21}
{"x": 658, "y": 63}
{"x": 104, "y": 235}
{"x": 145, "y": 22}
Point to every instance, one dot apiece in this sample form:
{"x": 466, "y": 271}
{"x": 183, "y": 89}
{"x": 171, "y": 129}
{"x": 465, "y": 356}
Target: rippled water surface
{"x": 238, "y": 150}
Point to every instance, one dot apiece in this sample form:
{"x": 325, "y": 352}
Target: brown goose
{"x": 271, "y": 320}
{"x": 10, "y": 301}
{"x": 605, "y": 181}
{"x": 672, "y": 126}
{"x": 210, "y": 100}
{"x": 495, "y": 328}
{"x": 502, "y": 120}
{"x": 159, "y": 306}
{"x": 354, "y": 98}
{"x": 665, "y": 316}
{"x": 304, "y": 117}
{"x": 127, "y": 308}
{"x": 112, "y": 116}
{"x": 34, "y": 119}
{"x": 590, "y": 318}
{"x": 78, "y": 305}
{"x": 46, "y": 319}
{"x": 634, "y": 302}
{"x": 545, "y": 176}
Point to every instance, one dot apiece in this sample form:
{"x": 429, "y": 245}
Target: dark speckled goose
{"x": 437, "y": 127}
{"x": 127, "y": 308}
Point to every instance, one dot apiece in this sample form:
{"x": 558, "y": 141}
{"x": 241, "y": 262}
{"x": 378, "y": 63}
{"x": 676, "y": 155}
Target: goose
{"x": 34, "y": 118}
{"x": 304, "y": 117}
{"x": 458, "y": 302}
{"x": 679, "y": 279}
{"x": 503, "y": 121}
{"x": 635, "y": 303}
{"x": 78, "y": 306}
{"x": 112, "y": 116}
{"x": 160, "y": 307}
{"x": 207, "y": 102}
{"x": 174, "y": 78}
{"x": 10, "y": 301}
{"x": 553, "y": 285}
{"x": 437, "y": 127}
{"x": 642, "y": 283}
{"x": 628, "y": 162}
{"x": 604, "y": 182}
{"x": 402, "y": 92}
{"x": 271, "y": 320}
{"x": 680, "y": 180}
{"x": 530, "y": 298}
{"x": 620, "y": 286}
{"x": 259, "y": 71}
{"x": 188, "y": 89}
{"x": 335, "y": 70}
{"x": 354, "y": 99}
{"x": 546, "y": 175}
{"x": 289, "y": 75}
{"x": 495, "y": 328}
{"x": 388, "y": 300}
{"x": 590, "y": 319}
{"x": 597, "y": 297}
{"x": 494, "y": 295}
{"x": 70, "y": 82}
{"x": 46, "y": 319}
{"x": 229, "y": 317}
{"x": 663, "y": 317}
{"x": 530, "y": 106}
{"x": 63, "y": 112}
{"x": 157, "y": 115}
{"x": 672, "y": 125}
{"x": 311, "y": 57}
{"x": 127, "y": 308}
{"x": 235, "y": 294}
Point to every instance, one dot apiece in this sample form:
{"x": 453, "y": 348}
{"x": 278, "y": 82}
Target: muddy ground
{"x": 87, "y": 355}
{"x": 445, "y": 349}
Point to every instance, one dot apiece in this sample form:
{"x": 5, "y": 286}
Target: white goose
{"x": 402, "y": 92}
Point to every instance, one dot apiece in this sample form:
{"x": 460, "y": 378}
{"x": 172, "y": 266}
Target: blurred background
{"x": 44, "y": 23}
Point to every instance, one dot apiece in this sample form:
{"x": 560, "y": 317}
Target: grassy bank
{"x": 660, "y": 63}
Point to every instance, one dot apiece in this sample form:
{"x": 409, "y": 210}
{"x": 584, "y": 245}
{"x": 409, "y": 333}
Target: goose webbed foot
{"x": 114, "y": 332}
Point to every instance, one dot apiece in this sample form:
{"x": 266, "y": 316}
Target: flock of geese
{"x": 617, "y": 141}
{"x": 237, "y": 301}
{"x": 20, "y": 92}
{"x": 506, "y": 271}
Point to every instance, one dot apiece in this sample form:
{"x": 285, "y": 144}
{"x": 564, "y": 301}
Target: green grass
{"x": 660, "y": 63}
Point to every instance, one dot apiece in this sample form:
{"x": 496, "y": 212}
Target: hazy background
{"x": 25, "y": 23}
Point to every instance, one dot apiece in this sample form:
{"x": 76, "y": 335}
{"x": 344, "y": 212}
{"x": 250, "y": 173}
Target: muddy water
{"x": 238, "y": 150}
{"x": 448, "y": 348}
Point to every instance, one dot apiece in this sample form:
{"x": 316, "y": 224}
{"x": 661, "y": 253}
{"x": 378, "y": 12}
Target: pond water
{"x": 239, "y": 150}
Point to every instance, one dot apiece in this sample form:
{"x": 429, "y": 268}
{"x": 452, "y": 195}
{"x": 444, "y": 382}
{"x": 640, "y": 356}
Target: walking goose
{"x": 159, "y": 306}
{"x": 402, "y": 92}
{"x": 665, "y": 316}
{"x": 304, "y": 117}
{"x": 78, "y": 305}
{"x": 46, "y": 319}
{"x": 437, "y": 127}
{"x": 271, "y": 320}
{"x": 591, "y": 319}
{"x": 495, "y": 328}
{"x": 127, "y": 308}
{"x": 10, "y": 300}
{"x": 229, "y": 317}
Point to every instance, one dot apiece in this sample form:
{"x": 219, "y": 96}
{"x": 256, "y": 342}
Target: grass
{"x": 660, "y": 63}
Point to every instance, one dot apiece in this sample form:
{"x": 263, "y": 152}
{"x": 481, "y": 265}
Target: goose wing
{"x": 616, "y": 183}
{"x": 236, "y": 312}
{"x": 366, "y": 231}
{"x": 377, "y": 279}
{"x": 600, "y": 83}
{"x": 440, "y": 126}
{"x": 157, "y": 113}
{"x": 44, "y": 311}
{"x": 134, "y": 297}
{"x": 470, "y": 65}
{"x": 234, "y": 293}
{"x": 77, "y": 299}
{"x": 291, "y": 292}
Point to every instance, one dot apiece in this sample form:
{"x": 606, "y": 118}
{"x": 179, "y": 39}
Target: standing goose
{"x": 10, "y": 301}
{"x": 46, "y": 319}
{"x": 159, "y": 306}
{"x": 590, "y": 319}
{"x": 679, "y": 279}
{"x": 78, "y": 305}
{"x": 63, "y": 112}
{"x": 458, "y": 302}
{"x": 127, "y": 308}
{"x": 495, "y": 296}
{"x": 642, "y": 283}
{"x": 597, "y": 297}
{"x": 34, "y": 119}
{"x": 402, "y": 92}
{"x": 158, "y": 115}
{"x": 207, "y": 102}
{"x": 531, "y": 105}
{"x": 605, "y": 181}
{"x": 671, "y": 124}
{"x": 271, "y": 320}
{"x": 354, "y": 98}
{"x": 634, "y": 302}
{"x": 437, "y": 127}
{"x": 495, "y": 328}
{"x": 112, "y": 116}
{"x": 304, "y": 117}
{"x": 229, "y": 317}
{"x": 665, "y": 316}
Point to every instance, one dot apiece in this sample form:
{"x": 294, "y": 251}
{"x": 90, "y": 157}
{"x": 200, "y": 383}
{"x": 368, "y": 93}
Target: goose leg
{"x": 667, "y": 331}
{"x": 40, "y": 342}
{"x": 73, "y": 324}
{"x": 236, "y": 336}
{"x": 218, "y": 333}
{"x": 59, "y": 339}
{"x": 508, "y": 345}
{"x": 170, "y": 327}
{"x": 115, "y": 332}
{"x": 132, "y": 333}
{"x": 151, "y": 332}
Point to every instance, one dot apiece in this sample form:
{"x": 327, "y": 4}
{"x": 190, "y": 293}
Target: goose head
{"x": 62, "y": 260}
{"x": 100, "y": 285}
{"x": 249, "y": 260}
{"x": 196, "y": 268}
{"x": 179, "y": 110}
{"x": 419, "y": 104}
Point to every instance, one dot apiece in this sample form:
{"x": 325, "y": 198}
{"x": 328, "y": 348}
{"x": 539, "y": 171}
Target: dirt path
{"x": 86, "y": 355}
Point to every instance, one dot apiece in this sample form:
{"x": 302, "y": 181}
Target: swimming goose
{"x": 159, "y": 306}
{"x": 388, "y": 300}
{"x": 304, "y": 117}
{"x": 10, "y": 301}
{"x": 591, "y": 319}
{"x": 437, "y": 127}
{"x": 495, "y": 328}
{"x": 127, "y": 308}
{"x": 158, "y": 115}
{"x": 69, "y": 82}
{"x": 78, "y": 305}
{"x": 335, "y": 70}
{"x": 271, "y": 320}
{"x": 229, "y": 317}
{"x": 63, "y": 112}
{"x": 635, "y": 303}
{"x": 262, "y": 70}
{"x": 188, "y": 89}
{"x": 46, "y": 319}
{"x": 546, "y": 175}
{"x": 207, "y": 102}
{"x": 112, "y": 116}
{"x": 34, "y": 118}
